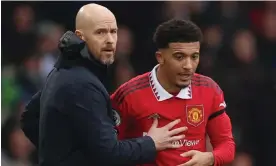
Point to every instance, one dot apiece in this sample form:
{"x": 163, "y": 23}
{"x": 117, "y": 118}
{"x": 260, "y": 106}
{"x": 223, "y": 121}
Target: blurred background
{"x": 239, "y": 52}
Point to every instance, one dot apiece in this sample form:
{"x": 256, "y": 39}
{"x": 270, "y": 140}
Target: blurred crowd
{"x": 238, "y": 52}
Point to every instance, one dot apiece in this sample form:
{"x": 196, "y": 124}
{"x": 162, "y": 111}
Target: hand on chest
{"x": 194, "y": 115}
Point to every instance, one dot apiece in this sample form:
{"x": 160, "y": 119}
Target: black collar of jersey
{"x": 74, "y": 52}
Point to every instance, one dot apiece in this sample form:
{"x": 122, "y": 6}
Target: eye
{"x": 101, "y": 32}
{"x": 114, "y": 31}
{"x": 195, "y": 56}
{"x": 178, "y": 56}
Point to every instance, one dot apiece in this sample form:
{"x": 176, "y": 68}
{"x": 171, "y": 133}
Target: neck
{"x": 165, "y": 83}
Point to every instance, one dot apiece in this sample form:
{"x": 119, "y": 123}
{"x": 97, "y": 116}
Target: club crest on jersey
{"x": 195, "y": 114}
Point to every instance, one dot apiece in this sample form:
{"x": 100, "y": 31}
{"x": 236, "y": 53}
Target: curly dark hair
{"x": 176, "y": 30}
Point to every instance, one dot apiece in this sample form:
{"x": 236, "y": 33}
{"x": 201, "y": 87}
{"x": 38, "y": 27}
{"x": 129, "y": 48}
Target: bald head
{"x": 97, "y": 26}
{"x": 90, "y": 14}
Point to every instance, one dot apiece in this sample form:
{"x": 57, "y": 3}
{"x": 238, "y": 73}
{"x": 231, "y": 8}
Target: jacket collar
{"x": 161, "y": 94}
{"x": 74, "y": 52}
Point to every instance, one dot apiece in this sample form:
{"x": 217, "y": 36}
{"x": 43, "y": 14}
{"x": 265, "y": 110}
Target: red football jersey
{"x": 200, "y": 106}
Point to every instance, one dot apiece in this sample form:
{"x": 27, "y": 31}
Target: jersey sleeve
{"x": 219, "y": 129}
{"x": 219, "y": 104}
{"x": 122, "y": 109}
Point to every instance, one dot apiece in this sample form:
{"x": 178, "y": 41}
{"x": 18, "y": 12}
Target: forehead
{"x": 193, "y": 46}
{"x": 105, "y": 23}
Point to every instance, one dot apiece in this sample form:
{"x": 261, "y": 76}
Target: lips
{"x": 185, "y": 76}
{"x": 108, "y": 49}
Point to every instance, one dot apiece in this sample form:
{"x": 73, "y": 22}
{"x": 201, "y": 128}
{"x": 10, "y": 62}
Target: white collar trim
{"x": 161, "y": 94}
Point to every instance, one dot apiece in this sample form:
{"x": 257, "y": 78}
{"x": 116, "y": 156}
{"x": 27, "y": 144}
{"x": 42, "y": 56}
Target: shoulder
{"x": 132, "y": 86}
{"x": 75, "y": 79}
{"x": 77, "y": 75}
{"x": 82, "y": 74}
{"x": 205, "y": 82}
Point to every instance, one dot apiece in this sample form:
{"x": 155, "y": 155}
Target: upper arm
{"x": 87, "y": 109}
{"x": 218, "y": 105}
{"x": 219, "y": 126}
{"x": 95, "y": 130}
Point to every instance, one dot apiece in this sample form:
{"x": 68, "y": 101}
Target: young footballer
{"x": 172, "y": 90}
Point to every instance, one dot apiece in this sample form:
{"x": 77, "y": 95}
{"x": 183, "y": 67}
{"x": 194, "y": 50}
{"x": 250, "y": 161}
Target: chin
{"x": 183, "y": 84}
{"x": 108, "y": 61}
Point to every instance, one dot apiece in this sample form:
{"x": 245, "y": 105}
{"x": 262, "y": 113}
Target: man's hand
{"x": 164, "y": 137}
{"x": 198, "y": 158}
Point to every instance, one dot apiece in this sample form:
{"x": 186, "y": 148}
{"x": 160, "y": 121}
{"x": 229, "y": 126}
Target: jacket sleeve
{"x": 96, "y": 130}
{"x": 219, "y": 129}
{"x": 30, "y": 119}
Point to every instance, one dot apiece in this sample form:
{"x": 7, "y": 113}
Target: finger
{"x": 188, "y": 154}
{"x": 176, "y": 138}
{"x": 155, "y": 123}
{"x": 175, "y": 145}
{"x": 177, "y": 131}
{"x": 172, "y": 124}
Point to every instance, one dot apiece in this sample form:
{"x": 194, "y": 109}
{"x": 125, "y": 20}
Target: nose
{"x": 110, "y": 39}
{"x": 188, "y": 64}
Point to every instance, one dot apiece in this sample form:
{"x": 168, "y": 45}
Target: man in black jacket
{"x": 73, "y": 110}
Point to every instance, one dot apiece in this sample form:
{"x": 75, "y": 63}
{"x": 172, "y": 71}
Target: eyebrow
{"x": 197, "y": 52}
{"x": 105, "y": 29}
{"x": 179, "y": 52}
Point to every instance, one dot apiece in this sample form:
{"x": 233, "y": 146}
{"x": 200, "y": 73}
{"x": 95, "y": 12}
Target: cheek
{"x": 176, "y": 64}
{"x": 173, "y": 67}
{"x": 195, "y": 64}
{"x": 94, "y": 43}
{"x": 94, "y": 39}
{"x": 115, "y": 38}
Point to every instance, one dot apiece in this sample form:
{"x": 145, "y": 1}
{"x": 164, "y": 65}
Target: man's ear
{"x": 159, "y": 57}
{"x": 79, "y": 33}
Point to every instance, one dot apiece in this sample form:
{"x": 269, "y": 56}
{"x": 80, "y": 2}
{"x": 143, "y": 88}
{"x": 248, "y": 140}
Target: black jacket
{"x": 75, "y": 118}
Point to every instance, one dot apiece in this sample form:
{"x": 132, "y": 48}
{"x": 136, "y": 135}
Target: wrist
{"x": 211, "y": 158}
